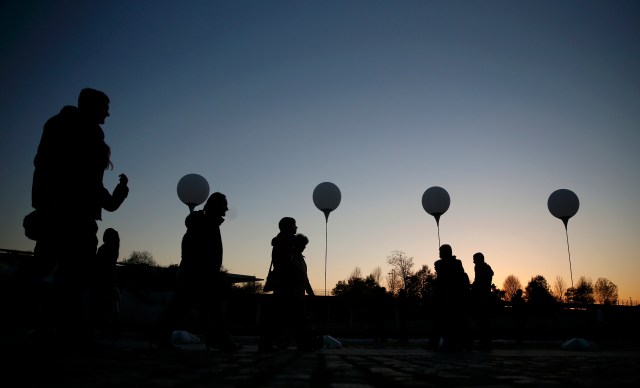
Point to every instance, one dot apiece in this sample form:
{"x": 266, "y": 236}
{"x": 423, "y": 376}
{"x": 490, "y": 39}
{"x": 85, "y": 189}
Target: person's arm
{"x": 308, "y": 287}
{"x": 111, "y": 202}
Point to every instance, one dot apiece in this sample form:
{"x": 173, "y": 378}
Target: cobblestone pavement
{"x": 132, "y": 362}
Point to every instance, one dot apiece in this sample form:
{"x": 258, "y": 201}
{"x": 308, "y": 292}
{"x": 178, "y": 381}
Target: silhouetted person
{"x": 450, "y": 299}
{"x": 107, "y": 294}
{"x": 482, "y": 299}
{"x": 68, "y": 195}
{"x": 201, "y": 284}
{"x": 519, "y": 316}
{"x": 300, "y": 285}
{"x": 272, "y": 333}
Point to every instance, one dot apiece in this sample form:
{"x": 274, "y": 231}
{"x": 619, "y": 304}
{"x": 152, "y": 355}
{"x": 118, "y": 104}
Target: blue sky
{"x": 500, "y": 103}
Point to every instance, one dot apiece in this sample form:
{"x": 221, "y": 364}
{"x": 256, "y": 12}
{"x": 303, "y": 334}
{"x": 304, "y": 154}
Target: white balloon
{"x": 326, "y": 197}
{"x": 563, "y": 204}
{"x": 193, "y": 189}
{"x": 436, "y": 201}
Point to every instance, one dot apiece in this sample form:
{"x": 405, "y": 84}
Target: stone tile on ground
{"x": 132, "y": 363}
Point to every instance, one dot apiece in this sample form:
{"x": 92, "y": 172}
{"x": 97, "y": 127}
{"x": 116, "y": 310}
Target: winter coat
{"x": 201, "y": 247}
{"x": 69, "y": 166}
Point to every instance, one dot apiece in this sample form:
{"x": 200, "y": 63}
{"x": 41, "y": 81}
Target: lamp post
{"x": 564, "y": 204}
{"x": 193, "y": 190}
{"x": 436, "y": 201}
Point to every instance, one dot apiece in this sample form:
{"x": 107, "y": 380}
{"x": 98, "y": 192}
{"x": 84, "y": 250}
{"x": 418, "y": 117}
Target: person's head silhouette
{"x": 445, "y": 251}
{"x": 216, "y": 205}
{"x": 94, "y": 104}
{"x": 111, "y": 237}
{"x": 300, "y": 242}
{"x": 478, "y": 258}
{"x": 288, "y": 225}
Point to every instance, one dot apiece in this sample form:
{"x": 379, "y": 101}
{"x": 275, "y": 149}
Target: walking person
{"x": 201, "y": 284}
{"x": 482, "y": 299}
{"x": 68, "y": 195}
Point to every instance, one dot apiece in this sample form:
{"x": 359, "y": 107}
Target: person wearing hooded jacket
{"x": 200, "y": 281}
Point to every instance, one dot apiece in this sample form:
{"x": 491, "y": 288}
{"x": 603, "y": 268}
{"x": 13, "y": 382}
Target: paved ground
{"x": 131, "y": 362}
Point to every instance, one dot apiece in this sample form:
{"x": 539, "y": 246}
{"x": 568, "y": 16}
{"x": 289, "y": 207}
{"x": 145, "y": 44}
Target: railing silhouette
{"x": 341, "y": 317}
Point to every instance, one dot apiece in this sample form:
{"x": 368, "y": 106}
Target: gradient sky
{"x": 499, "y": 102}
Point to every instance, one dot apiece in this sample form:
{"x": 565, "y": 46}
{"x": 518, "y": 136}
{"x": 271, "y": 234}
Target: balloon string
{"x": 326, "y": 235}
{"x": 569, "y": 251}
{"x": 326, "y": 244}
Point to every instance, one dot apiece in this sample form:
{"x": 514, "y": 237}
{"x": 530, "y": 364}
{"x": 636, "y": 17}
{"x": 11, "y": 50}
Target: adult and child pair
{"x": 455, "y": 298}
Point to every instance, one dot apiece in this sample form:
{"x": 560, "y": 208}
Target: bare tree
{"x": 402, "y": 264}
{"x": 559, "y": 288}
{"x": 394, "y": 283}
{"x": 510, "y": 286}
{"x": 420, "y": 284}
{"x": 605, "y": 291}
{"x": 376, "y": 274}
{"x": 356, "y": 274}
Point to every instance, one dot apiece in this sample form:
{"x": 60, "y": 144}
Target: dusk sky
{"x": 499, "y": 102}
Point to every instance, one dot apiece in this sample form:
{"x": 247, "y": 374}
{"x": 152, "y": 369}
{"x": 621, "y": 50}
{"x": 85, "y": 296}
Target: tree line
{"x": 418, "y": 285}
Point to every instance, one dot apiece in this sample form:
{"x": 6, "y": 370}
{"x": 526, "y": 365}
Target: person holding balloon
{"x": 200, "y": 282}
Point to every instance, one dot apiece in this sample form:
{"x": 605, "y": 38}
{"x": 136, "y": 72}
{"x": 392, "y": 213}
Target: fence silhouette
{"x": 145, "y": 293}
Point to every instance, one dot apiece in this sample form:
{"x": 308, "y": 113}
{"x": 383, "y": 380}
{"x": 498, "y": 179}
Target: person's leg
{"x": 170, "y": 318}
{"x": 115, "y": 314}
{"x": 484, "y": 328}
{"x": 76, "y": 253}
{"x": 217, "y": 330}
{"x": 33, "y": 301}
{"x": 268, "y": 307}
{"x": 304, "y": 334}
{"x": 287, "y": 320}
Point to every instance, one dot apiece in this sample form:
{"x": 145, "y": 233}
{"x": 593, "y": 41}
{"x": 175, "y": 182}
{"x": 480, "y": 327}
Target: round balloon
{"x": 563, "y": 204}
{"x": 436, "y": 201}
{"x": 326, "y": 197}
{"x": 193, "y": 190}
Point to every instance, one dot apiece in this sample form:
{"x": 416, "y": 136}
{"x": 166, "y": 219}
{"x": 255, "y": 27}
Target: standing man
{"x": 68, "y": 195}
{"x": 200, "y": 283}
{"x": 482, "y": 299}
